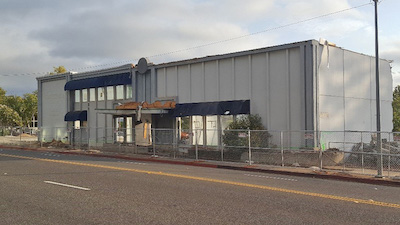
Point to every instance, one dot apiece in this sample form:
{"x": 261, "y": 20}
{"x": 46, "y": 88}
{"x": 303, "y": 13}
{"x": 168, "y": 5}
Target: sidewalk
{"x": 313, "y": 172}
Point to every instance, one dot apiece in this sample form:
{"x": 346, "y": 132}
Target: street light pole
{"x": 378, "y": 102}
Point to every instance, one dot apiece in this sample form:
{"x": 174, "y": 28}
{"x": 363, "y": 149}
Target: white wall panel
{"x": 184, "y": 85}
{"x": 54, "y": 104}
{"x": 278, "y": 90}
{"x": 385, "y": 81}
{"x": 77, "y": 106}
{"x": 331, "y": 114}
{"x": 161, "y": 83}
{"x": 357, "y": 77}
{"x": 101, "y": 122}
{"x": 171, "y": 81}
{"x": 241, "y": 77}
{"x": 211, "y": 81}
{"x": 359, "y": 90}
{"x": 226, "y": 79}
{"x": 357, "y": 114}
{"x": 197, "y": 82}
{"x": 331, "y": 72}
{"x": 297, "y": 103}
{"x": 259, "y": 96}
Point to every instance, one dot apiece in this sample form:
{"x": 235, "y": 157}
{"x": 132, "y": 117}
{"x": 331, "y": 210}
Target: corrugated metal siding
{"x": 211, "y": 79}
{"x": 273, "y": 81}
{"x": 196, "y": 84}
{"x": 54, "y": 104}
{"x": 347, "y": 91}
{"x": 226, "y": 79}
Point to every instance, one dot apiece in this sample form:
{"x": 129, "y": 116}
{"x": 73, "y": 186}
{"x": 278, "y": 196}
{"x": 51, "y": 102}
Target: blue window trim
{"x": 212, "y": 108}
{"x": 111, "y": 80}
{"x": 76, "y": 115}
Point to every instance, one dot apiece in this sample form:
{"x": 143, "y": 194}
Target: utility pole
{"x": 378, "y": 101}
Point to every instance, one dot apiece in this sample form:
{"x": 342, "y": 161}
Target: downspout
{"x": 40, "y": 110}
{"x": 316, "y": 67}
{"x": 69, "y": 108}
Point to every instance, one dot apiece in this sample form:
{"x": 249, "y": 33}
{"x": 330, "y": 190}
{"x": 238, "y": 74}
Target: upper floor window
{"x": 100, "y": 94}
{"x": 77, "y": 95}
{"x": 92, "y": 94}
{"x": 128, "y": 93}
{"x": 110, "y": 93}
{"x": 84, "y": 95}
{"x": 120, "y": 91}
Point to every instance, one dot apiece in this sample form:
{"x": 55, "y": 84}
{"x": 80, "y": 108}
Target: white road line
{"x": 50, "y": 155}
{"x": 138, "y": 163}
{"x": 269, "y": 177}
{"x": 67, "y": 185}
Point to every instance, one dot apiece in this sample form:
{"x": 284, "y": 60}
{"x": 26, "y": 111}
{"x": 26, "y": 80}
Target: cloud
{"x": 37, "y": 35}
{"x": 122, "y": 33}
{"x": 391, "y": 51}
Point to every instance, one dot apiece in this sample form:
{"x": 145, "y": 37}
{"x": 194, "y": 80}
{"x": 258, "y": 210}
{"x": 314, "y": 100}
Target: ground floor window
{"x": 129, "y": 127}
{"x": 123, "y": 129}
{"x": 119, "y": 129}
{"x": 197, "y": 127}
{"x": 212, "y": 130}
{"x": 202, "y": 130}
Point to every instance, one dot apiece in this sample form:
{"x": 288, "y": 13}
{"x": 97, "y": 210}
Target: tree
{"x": 235, "y": 134}
{"x": 58, "y": 70}
{"x": 396, "y": 109}
{"x": 30, "y": 102}
{"x": 9, "y": 117}
{"x": 25, "y": 107}
{"x": 2, "y": 95}
{"x": 14, "y": 102}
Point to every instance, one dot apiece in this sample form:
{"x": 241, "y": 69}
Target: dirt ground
{"x": 15, "y": 139}
{"x": 28, "y": 140}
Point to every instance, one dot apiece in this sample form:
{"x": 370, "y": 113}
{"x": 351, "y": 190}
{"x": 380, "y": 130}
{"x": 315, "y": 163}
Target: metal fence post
{"x": 134, "y": 140}
{"x": 281, "y": 143}
{"x": 362, "y": 162}
{"x": 176, "y": 144}
{"x": 389, "y": 164}
{"x": 220, "y": 145}
{"x": 248, "y": 134}
{"x": 88, "y": 137}
{"x": 197, "y": 147}
{"x": 362, "y": 153}
{"x": 320, "y": 151}
{"x": 320, "y": 158}
{"x": 41, "y": 137}
{"x": 80, "y": 138}
{"x": 344, "y": 163}
{"x": 153, "y": 134}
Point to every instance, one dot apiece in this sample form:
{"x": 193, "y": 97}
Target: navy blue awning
{"x": 212, "y": 108}
{"x": 111, "y": 80}
{"x": 76, "y": 115}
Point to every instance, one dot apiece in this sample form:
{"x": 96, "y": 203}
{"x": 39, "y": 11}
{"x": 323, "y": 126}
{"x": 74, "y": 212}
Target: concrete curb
{"x": 212, "y": 164}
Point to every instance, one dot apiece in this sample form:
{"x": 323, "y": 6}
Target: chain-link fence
{"x": 349, "y": 151}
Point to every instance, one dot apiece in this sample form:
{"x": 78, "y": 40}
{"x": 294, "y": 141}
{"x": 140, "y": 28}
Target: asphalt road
{"x": 49, "y": 188}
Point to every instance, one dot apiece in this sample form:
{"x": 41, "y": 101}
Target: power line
{"x": 203, "y": 45}
{"x": 259, "y": 32}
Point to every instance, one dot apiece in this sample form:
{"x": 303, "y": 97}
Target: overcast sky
{"x": 90, "y": 34}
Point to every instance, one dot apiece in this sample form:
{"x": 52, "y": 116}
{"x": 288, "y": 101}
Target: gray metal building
{"x": 299, "y": 86}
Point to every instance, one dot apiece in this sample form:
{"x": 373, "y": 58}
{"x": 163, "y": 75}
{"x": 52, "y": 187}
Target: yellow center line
{"x": 334, "y": 197}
